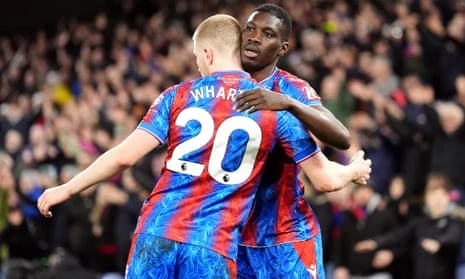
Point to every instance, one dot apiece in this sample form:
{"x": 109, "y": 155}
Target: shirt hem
{"x": 281, "y": 242}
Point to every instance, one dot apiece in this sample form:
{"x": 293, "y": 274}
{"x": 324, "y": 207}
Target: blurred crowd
{"x": 392, "y": 71}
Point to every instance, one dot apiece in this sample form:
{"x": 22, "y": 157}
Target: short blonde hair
{"x": 221, "y": 32}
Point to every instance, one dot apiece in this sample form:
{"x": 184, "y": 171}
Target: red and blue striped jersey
{"x": 215, "y": 160}
{"x": 280, "y": 213}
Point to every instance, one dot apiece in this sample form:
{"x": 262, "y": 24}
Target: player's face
{"x": 262, "y": 41}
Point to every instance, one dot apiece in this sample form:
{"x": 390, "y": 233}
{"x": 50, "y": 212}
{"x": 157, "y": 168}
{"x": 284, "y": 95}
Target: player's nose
{"x": 254, "y": 37}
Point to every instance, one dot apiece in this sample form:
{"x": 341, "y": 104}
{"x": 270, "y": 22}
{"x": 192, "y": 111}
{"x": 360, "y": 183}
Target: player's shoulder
{"x": 286, "y": 77}
{"x": 291, "y": 83}
{"x": 173, "y": 89}
{"x": 183, "y": 85}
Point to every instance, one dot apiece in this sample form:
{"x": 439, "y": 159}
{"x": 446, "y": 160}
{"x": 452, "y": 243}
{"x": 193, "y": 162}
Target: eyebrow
{"x": 270, "y": 29}
{"x": 267, "y": 28}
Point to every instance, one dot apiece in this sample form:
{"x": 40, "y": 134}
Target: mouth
{"x": 251, "y": 51}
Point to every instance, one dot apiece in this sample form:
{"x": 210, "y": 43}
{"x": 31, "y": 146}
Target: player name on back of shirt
{"x": 211, "y": 91}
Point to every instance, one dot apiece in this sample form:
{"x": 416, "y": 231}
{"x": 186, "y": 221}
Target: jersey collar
{"x": 270, "y": 77}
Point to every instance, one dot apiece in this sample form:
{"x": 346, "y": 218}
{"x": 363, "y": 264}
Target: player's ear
{"x": 284, "y": 48}
{"x": 208, "y": 53}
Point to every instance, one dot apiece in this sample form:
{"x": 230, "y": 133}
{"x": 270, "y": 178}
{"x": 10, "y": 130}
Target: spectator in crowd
{"x": 367, "y": 218}
{"x": 448, "y": 148}
{"x": 412, "y": 119}
{"x": 432, "y": 240}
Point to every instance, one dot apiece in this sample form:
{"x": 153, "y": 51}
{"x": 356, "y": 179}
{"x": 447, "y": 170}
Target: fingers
{"x": 247, "y": 104}
{"x": 250, "y": 106}
{"x": 364, "y": 176}
{"x": 361, "y": 181}
{"x": 357, "y": 156}
{"x": 364, "y": 167}
{"x": 43, "y": 207}
{"x": 248, "y": 101}
{"x": 245, "y": 95}
{"x": 252, "y": 109}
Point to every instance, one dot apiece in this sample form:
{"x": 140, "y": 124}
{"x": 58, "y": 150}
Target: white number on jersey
{"x": 220, "y": 143}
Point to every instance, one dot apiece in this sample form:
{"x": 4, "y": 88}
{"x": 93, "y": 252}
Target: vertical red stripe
{"x": 157, "y": 194}
{"x": 287, "y": 198}
{"x": 249, "y": 234}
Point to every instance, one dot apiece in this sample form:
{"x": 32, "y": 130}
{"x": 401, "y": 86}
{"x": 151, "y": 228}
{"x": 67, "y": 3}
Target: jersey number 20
{"x": 219, "y": 147}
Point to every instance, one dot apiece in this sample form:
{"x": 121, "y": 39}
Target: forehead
{"x": 265, "y": 20}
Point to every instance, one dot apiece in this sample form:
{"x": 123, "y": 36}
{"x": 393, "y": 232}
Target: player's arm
{"x": 322, "y": 123}
{"x": 152, "y": 131}
{"x": 317, "y": 119}
{"x": 327, "y": 176}
{"x": 116, "y": 159}
{"x": 324, "y": 174}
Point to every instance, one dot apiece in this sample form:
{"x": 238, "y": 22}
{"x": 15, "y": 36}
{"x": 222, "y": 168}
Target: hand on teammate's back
{"x": 261, "y": 99}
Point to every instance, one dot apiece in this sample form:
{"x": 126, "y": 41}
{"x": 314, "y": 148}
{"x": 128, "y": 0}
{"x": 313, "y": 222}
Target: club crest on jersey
{"x": 310, "y": 92}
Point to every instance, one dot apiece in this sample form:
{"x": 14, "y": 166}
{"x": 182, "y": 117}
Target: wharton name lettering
{"x": 212, "y": 92}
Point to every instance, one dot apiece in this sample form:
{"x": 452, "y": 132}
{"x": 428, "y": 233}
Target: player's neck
{"x": 263, "y": 73}
{"x": 222, "y": 66}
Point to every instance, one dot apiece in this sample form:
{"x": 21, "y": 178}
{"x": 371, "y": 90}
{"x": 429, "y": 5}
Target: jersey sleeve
{"x": 300, "y": 90}
{"x": 294, "y": 138}
{"x": 156, "y": 119}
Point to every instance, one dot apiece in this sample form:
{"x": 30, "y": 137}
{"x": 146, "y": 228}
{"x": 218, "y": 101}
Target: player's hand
{"x": 365, "y": 246}
{"x": 362, "y": 168}
{"x": 51, "y": 197}
{"x": 261, "y": 99}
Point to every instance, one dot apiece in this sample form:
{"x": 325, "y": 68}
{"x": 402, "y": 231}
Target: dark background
{"x": 28, "y": 16}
